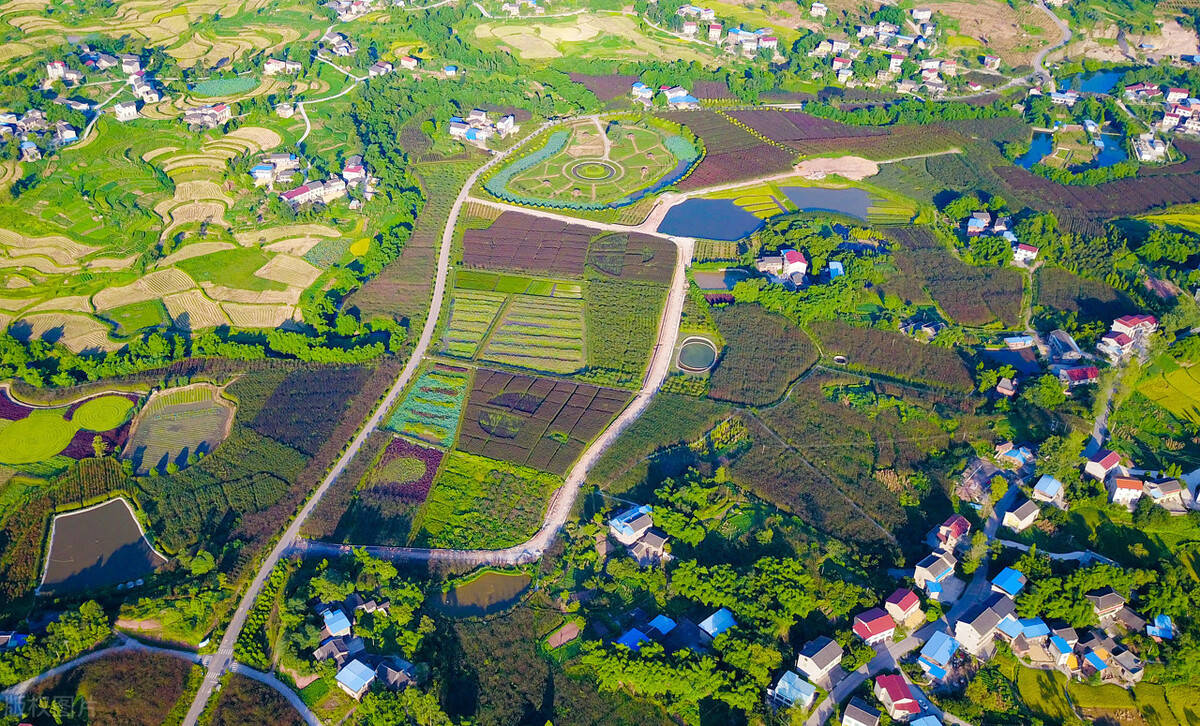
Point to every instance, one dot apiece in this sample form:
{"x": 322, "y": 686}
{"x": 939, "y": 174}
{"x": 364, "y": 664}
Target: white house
{"x": 1025, "y": 253}
{"x": 921, "y": 15}
{"x": 1126, "y": 490}
{"x": 1021, "y": 518}
{"x": 126, "y": 110}
{"x": 818, "y": 10}
{"x": 818, "y": 658}
{"x": 1101, "y": 464}
{"x": 130, "y": 64}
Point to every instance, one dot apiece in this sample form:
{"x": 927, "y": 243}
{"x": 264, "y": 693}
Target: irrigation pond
{"x": 97, "y": 547}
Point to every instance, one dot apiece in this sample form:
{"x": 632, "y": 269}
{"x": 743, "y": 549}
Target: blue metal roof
{"x": 792, "y": 688}
{"x": 1010, "y": 580}
{"x": 1049, "y": 486}
{"x": 662, "y": 624}
{"x": 1034, "y": 628}
{"x": 718, "y": 622}
{"x": 939, "y": 649}
{"x": 632, "y": 639}
{"x": 925, "y": 721}
{"x": 836, "y": 269}
{"x": 1162, "y": 628}
{"x": 1094, "y": 660}
{"x": 1060, "y": 644}
{"x": 336, "y": 621}
{"x": 1010, "y": 627}
{"x": 356, "y": 675}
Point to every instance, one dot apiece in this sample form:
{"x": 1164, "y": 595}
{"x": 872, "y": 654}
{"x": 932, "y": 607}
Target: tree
{"x": 974, "y": 556}
{"x": 997, "y": 489}
{"x": 1047, "y": 392}
{"x": 99, "y": 446}
{"x": 202, "y": 564}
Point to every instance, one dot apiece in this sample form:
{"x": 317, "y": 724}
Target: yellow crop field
{"x": 246, "y": 315}
{"x": 150, "y": 287}
{"x": 192, "y": 310}
{"x": 289, "y": 270}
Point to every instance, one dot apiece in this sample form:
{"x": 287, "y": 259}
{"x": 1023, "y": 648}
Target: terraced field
{"x": 177, "y": 424}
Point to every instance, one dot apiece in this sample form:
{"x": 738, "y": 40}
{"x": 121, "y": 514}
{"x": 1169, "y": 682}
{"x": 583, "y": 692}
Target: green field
{"x": 478, "y": 502}
{"x": 540, "y": 333}
{"x": 232, "y": 268}
{"x": 1184, "y": 216}
{"x": 177, "y": 424}
{"x": 217, "y": 87}
{"x": 1176, "y": 390}
{"x": 432, "y": 406}
{"x": 1043, "y": 692}
{"x": 471, "y": 315}
{"x": 46, "y": 432}
{"x": 506, "y": 283}
{"x": 102, "y": 413}
{"x": 133, "y": 317}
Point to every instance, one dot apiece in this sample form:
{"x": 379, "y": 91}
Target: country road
{"x": 1065, "y": 37}
{"x": 224, "y": 655}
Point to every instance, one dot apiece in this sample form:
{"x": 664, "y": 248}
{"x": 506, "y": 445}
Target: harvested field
{"x": 193, "y": 310}
{"x": 263, "y": 236}
{"x": 533, "y": 421}
{"x": 58, "y": 248}
{"x": 77, "y": 332}
{"x": 248, "y": 315}
{"x": 154, "y": 285}
{"x": 72, "y": 304}
{"x": 97, "y": 547}
{"x": 518, "y": 241}
{"x": 176, "y": 423}
{"x": 290, "y": 296}
{"x": 291, "y": 271}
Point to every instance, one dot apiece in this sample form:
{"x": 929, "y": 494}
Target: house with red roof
{"x": 1135, "y": 325}
{"x": 1175, "y": 95}
{"x": 953, "y": 530}
{"x": 897, "y": 698}
{"x": 904, "y": 606}
{"x": 1126, "y": 490}
{"x": 1079, "y": 376}
{"x": 794, "y": 262}
{"x": 874, "y": 626}
{"x": 1101, "y": 464}
{"x": 1024, "y": 253}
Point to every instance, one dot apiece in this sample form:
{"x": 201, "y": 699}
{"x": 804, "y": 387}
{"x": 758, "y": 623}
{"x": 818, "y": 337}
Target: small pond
{"x": 718, "y": 219}
{"x": 1096, "y": 82}
{"x": 230, "y": 86}
{"x": 1039, "y": 148}
{"x": 97, "y": 547}
{"x": 720, "y": 279}
{"x": 697, "y": 355}
{"x": 1043, "y": 145}
{"x": 488, "y": 593}
{"x": 851, "y": 202}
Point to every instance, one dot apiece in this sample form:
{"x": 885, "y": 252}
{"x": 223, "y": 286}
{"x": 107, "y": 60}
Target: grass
{"x": 484, "y": 503}
{"x": 1043, "y": 692}
{"x": 102, "y": 413}
{"x": 1184, "y": 216}
{"x": 232, "y": 268}
{"x": 37, "y": 437}
{"x": 138, "y": 316}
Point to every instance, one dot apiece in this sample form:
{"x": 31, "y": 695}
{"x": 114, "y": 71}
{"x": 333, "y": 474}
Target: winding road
{"x": 1040, "y": 58}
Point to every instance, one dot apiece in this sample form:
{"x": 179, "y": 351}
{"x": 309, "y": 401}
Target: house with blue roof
{"x": 926, "y": 720}
{"x": 1049, "y": 489}
{"x": 933, "y": 571}
{"x": 1060, "y": 650}
{"x": 1092, "y": 659}
{"x": 632, "y": 639}
{"x": 935, "y": 657}
{"x": 792, "y": 690}
{"x": 662, "y": 625}
{"x": 836, "y": 270}
{"x": 336, "y": 622}
{"x": 450, "y": 71}
{"x": 1010, "y": 581}
{"x": 629, "y": 526}
{"x": 1033, "y": 628}
{"x": 355, "y": 678}
{"x": 641, "y": 91}
{"x": 718, "y": 622}
{"x": 1162, "y": 628}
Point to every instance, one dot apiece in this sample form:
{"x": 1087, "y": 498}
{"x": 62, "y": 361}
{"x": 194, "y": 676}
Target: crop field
{"x": 789, "y": 126}
{"x": 539, "y": 333}
{"x": 520, "y": 284}
{"x": 732, "y": 153}
{"x": 633, "y": 257}
{"x": 968, "y": 294}
{"x": 523, "y": 242}
{"x": 97, "y": 547}
{"x": 899, "y": 142}
{"x": 622, "y": 320}
{"x": 1184, "y": 216}
{"x": 536, "y": 422}
{"x": 178, "y": 423}
{"x": 478, "y": 502}
{"x": 130, "y": 689}
{"x": 592, "y": 163}
{"x": 472, "y": 313}
{"x": 763, "y": 354}
{"x": 433, "y": 405}
{"x": 894, "y": 354}
{"x": 31, "y": 435}
{"x": 1178, "y": 391}
{"x": 1089, "y": 299}
{"x": 404, "y": 471}
{"x": 607, "y": 87}
{"x": 588, "y": 35}
{"x": 307, "y": 405}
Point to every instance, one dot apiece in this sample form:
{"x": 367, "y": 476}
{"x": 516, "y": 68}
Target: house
{"x": 629, "y": 526}
{"x": 792, "y": 690}
{"x": 1060, "y": 650}
{"x": 991, "y": 62}
{"x": 1175, "y": 95}
{"x": 818, "y": 10}
{"x": 208, "y": 116}
{"x": 931, "y": 572}
{"x": 380, "y": 68}
{"x": 396, "y": 674}
{"x": 1149, "y": 148}
{"x": 1106, "y": 603}
{"x": 126, "y": 110}
{"x": 355, "y": 678}
{"x": 651, "y": 549}
{"x": 339, "y": 649}
{"x": 684, "y": 102}
{"x": 104, "y": 61}
{"x": 1079, "y": 376}
{"x": 770, "y": 265}
{"x": 1101, "y": 464}
{"x": 1009, "y": 582}
{"x": 336, "y": 622}
{"x": 818, "y": 658}
{"x": 874, "y": 626}
{"x": 1126, "y": 490}
{"x": 794, "y": 263}
{"x": 978, "y": 222}
{"x": 660, "y": 626}
{"x": 768, "y": 42}
{"x": 921, "y": 15}
{"x": 1006, "y": 387}
{"x": 272, "y": 66}
{"x": 1024, "y": 253}
{"x": 1135, "y": 325}
{"x": 1067, "y": 98}
{"x": 905, "y": 607}
{"x": 1049, "y": 489}
{"x": 836, "y": 270}
{"x": 840, "y": 64}
{"x": 690, "y": 28}
{"x": 56, "y": 70}
{"x": 1130, "y": 620}
{"x": 718, "y": 623}
{"x": 895, "y": 695}
{"x": 632, "y": 639}
{"x": 450, "y": 71}
{"x": 714, "y": 32}
{"x": 1127, "y": 667}
{"x": 975, "y": 629}
{"x": 1162, "y": 629}
{"x": 262, "y": 174}
{"x": 1142, "y": 91}
{"x": 1168, "y": 494}
{"x": 1021, "y": 518}
{"x": 858, "y": 713}
{"x": 937, "y": 653}
{"x": 641, "y": 91}
{"x": 895, "y": 63}
{"x": 953, "y": 530}
{"x": 130, "y": 64}
{"x": 1115, "y": 345}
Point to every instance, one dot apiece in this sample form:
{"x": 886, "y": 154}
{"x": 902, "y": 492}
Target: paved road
{"x": 1100, "y": 428}
{"x": 1039, "y": 59}
{"x": 1081, "y": 556}
{"x": 224, "y": 655}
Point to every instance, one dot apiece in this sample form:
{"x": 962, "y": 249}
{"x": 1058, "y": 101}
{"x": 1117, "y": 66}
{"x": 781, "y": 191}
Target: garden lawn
{"x": 481, "y": 503}
{"x": 40, "y": 435}
{"x": 102, "y": 413}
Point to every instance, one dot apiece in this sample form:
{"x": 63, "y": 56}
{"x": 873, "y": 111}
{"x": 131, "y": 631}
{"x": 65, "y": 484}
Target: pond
{"x": 718, "y": 219}
{"x": 697, "y": 355}
{"x": 720, "y": 279}
{"x": 851, "y": 202}
{"x": 488, "y": 593}
{"x": 97, "y": 547}
{"x": 1042, "y": 146}
{"x": 1096, "y": 82}
{"x": 230, "y": 86}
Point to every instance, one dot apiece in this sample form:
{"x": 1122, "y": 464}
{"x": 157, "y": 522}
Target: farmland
{"x": 539, "y": 333}
{"x": 32, "y": 435}
{"x": 305, "y": 407}
{"x": 433, "y": 405}
{"x": 1176, "y": 390}
{"x": 405, "y": 471}
{"x": 591, "y": 164}
{"x": 633, "y": 257}
{"x": 1090, "y": 300}
{"x": 535, "y": 422}
{"x": 622, "y": 323}
{"x": 522, "y": 242}
{"x": 733, "y": 153}
{"x": 893, "y": 354}
{"x": 763, "y": 354}
{"x": 123, "y": 689}
{"x": 177, "y": 424}
{"x": 482, "y": 503}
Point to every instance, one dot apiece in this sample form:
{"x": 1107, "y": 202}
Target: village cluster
{"x": 356, "y": 669}
{"x": 284, "y": 169}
